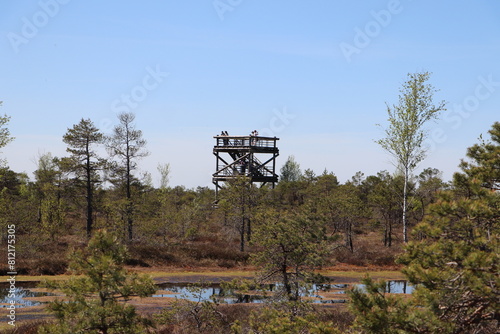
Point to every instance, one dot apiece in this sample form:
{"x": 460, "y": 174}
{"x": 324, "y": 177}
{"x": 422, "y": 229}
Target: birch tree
{"x": 290, "y": 170}
{"x": 405, "y": 133}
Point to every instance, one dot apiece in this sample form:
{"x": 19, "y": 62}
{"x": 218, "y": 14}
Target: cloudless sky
{"x": 316, "y": 74}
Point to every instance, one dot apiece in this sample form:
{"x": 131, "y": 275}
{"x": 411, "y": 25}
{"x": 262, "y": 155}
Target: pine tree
{"x": 291, "y": 247}
{"x": 126, "y": 145}
{"x": 240, "y": 197}
{"x": 84, "y": 161}
{"x": 455, "y": 266}
{"x": 95, "y": 301}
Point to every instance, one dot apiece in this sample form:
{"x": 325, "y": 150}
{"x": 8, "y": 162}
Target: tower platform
{"x": 250, "y": 156}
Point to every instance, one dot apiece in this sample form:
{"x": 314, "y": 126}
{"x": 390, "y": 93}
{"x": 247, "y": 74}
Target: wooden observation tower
{"x": 251, "y": 156}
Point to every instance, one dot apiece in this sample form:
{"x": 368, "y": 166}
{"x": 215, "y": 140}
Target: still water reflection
{"x": 325, "y": 293}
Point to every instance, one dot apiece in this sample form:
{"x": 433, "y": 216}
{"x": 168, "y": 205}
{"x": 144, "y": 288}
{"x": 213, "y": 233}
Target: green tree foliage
{"x": 346, "y": 210}
{"x": 84, "y": 161}
{"x": 321, "y": 187}
{"x": 291, "y": 194}
{"x": 241, "y": 198}
{"x": 126, "y": 145}
{"x": 291, "y": 248}
{"x": 49, "y": 190}
{"x": 275, "y": 321}
{"x": 455, "y": 265}
{"x": 430, "y": 183}
{"x": 484, "y": 165}
{"x": 94, "y": 301}
{"x": 383, "y": 197}
{"x": 5, "y": 136}
{"x": 198, "y": 316}
{"x": 309, "y": 176}
{"x": 290, "y": 171}
{"x": 16, "y": 201}
{"x": 177, "y": 214}
{"x": 405, "y": 133}
{"x": 164, "y": 170}
{"x": 458, "y": 261}
{"x": 379, "y": 312}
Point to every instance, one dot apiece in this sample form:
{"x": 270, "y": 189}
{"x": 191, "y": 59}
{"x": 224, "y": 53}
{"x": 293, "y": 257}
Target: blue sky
{"x": 316, "y": 74}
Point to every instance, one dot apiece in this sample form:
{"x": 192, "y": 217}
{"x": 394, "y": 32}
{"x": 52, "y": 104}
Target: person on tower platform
{"x": 225, "y": 140}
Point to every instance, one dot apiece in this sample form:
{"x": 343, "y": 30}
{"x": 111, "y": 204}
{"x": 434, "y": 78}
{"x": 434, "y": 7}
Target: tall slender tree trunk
{"x": 249, "y": 230}
{"x": 388, "y": 233}
{"x": 249, "y": 202}
{"x": 348, "y": 236}
{"x": 286, "y": 281}
{"x": 242, "y": 235}
{"x": 242, "y": 232}
{"x": 130, "y": 209}
{"x": 130, "y": 221}
{"x": 389, "y": 236}
{"x": 405, "y": 196}
{"x": 89, "y": 197}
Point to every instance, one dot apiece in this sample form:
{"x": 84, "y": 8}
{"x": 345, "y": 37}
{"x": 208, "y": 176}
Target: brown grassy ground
{"x": 211, "y": 261}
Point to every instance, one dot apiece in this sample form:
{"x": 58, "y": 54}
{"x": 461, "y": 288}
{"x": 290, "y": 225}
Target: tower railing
{"x": 245, "y": 141}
